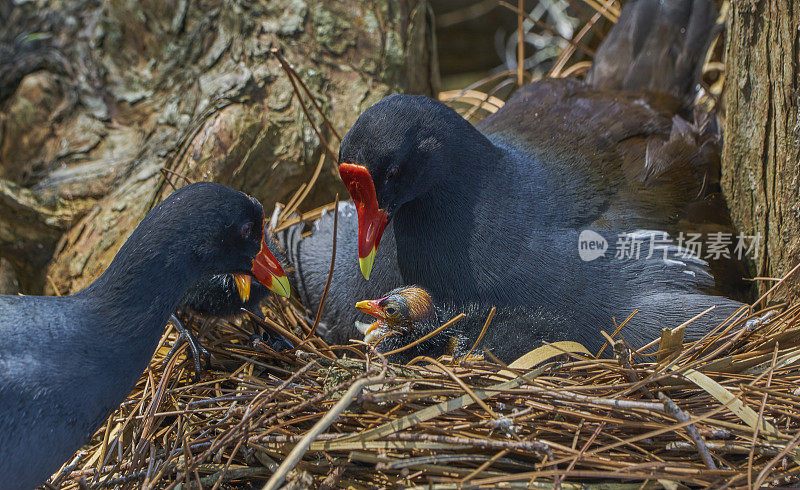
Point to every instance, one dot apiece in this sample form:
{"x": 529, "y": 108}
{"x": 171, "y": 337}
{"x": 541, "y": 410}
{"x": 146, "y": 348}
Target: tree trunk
{"x": 98, "y": 97}
{"x": 761, "y": 170}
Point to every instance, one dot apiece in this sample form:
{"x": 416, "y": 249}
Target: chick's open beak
{"x": 269, "y": 272}
{"x": 371, "y": 219}
{"x": 371, "y": 307}
{"x": 370, "y": 331}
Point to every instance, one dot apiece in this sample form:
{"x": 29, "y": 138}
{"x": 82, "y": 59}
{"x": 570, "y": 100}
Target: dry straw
{"x": 721, "y": 411}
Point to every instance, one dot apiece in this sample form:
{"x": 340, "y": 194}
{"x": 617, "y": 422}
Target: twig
{"x": 330, "y": 271}
{"x": 760, "y": 418}
{"x": 520, "y": 43}
{"x": 776, "y": 286}
{"x": 483, "y": 331}
{"x": 610, "y": 339}
{"x": 764, "y": 473}
{"x": 565, "y": 55}
{"x": 674, "y": 411}
{"x": 486, "y": 443}
{"x": 292, "y": 206}
{"x": 294, "y": 79}
{"x": 464, "y": 387}
{"x": 546, "y": 27}
{"x": 290, "y": 69}
{"x": 300, "y": 449}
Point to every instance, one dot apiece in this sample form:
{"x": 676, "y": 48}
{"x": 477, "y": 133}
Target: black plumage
{"x": 67, "y": 362}
{"x": 217, "y": 296}
{"x": 491, "y": 214}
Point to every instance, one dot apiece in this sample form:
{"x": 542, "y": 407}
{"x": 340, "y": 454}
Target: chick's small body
{"x": 513, "y": 331}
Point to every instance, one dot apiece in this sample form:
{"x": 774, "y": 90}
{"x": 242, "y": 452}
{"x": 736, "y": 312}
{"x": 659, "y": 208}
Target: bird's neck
{"x": 135, "y": 296}
{"x": 432, "y": 232}
{"x": 495, "y": 205}
{"x": 472, "y": 162}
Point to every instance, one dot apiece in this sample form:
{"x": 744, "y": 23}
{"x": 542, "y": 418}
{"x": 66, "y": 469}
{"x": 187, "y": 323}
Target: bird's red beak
{"x": 269, "y": 272}
{"x": 371, "y": 219}
{"x": 372, "y": 307}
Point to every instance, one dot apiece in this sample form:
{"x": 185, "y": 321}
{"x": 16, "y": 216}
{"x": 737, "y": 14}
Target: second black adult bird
{"x": 67, "y": 362}
{"x": 494, "y": 214}
{"x": 307, "y": 262}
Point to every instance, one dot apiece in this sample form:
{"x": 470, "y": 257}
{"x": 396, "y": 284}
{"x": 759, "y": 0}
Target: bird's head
{"x": 396, "y": 152}
{"x": 227, "y": 236}
{"x": 401, "y": 309}
{"x": 403, "y": 317}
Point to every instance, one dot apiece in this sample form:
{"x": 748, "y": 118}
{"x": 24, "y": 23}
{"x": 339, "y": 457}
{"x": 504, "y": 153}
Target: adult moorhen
{"x": 68, "y": 362}
{"x": 492, "y": 214}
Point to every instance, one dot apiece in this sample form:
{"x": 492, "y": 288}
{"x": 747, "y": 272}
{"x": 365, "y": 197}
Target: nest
{"x": 721, "y": 411}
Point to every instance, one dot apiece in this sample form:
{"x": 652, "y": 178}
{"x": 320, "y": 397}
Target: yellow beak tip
{"x": 243, "y": 286}
{"x": 280, "y": 286}
{"x": 365, "y": 263}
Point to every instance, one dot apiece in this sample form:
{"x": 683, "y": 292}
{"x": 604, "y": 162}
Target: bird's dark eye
{"x": 392, "y": 173}
{"x": 390, "y": 310}
{"x": 247, "y": 228}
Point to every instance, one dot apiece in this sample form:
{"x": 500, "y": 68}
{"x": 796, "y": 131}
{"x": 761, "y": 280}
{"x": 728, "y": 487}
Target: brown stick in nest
{"x": 680, "y": 416}
{"x": 330, "y": 271}
{"x": 300, "y": 449}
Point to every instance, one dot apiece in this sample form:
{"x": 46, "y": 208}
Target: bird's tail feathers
{"x": 657, "y": 46}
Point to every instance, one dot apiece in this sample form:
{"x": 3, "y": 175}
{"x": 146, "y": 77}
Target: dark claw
{"x": 198, "y": 351}
{"x": 281, "y": 343}
{"x": 266, "y": 337}
{"x": 277, "y": 344}
{"x": 256, "y": 340}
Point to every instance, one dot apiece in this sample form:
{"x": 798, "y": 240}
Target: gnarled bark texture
{"x": 97, "y": 97}
{"x": 761, "y": 161}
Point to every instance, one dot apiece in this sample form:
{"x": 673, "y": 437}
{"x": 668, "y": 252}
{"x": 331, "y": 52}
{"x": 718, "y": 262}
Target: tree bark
{"x": 761, "y": 166}
{"x": 98, "y": 97}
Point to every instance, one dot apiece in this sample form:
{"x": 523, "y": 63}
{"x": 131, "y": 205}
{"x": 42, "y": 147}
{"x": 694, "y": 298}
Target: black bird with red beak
{"x": 224, "y": 295}
{"x": 67, "y": 362}
{"x": 492, "y": 214}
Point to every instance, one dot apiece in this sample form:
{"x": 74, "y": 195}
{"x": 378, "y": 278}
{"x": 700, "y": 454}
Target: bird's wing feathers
{"x": 657, "y": 46}
{"x": 623, "y": 159}
{"x": 619, "y": 131}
